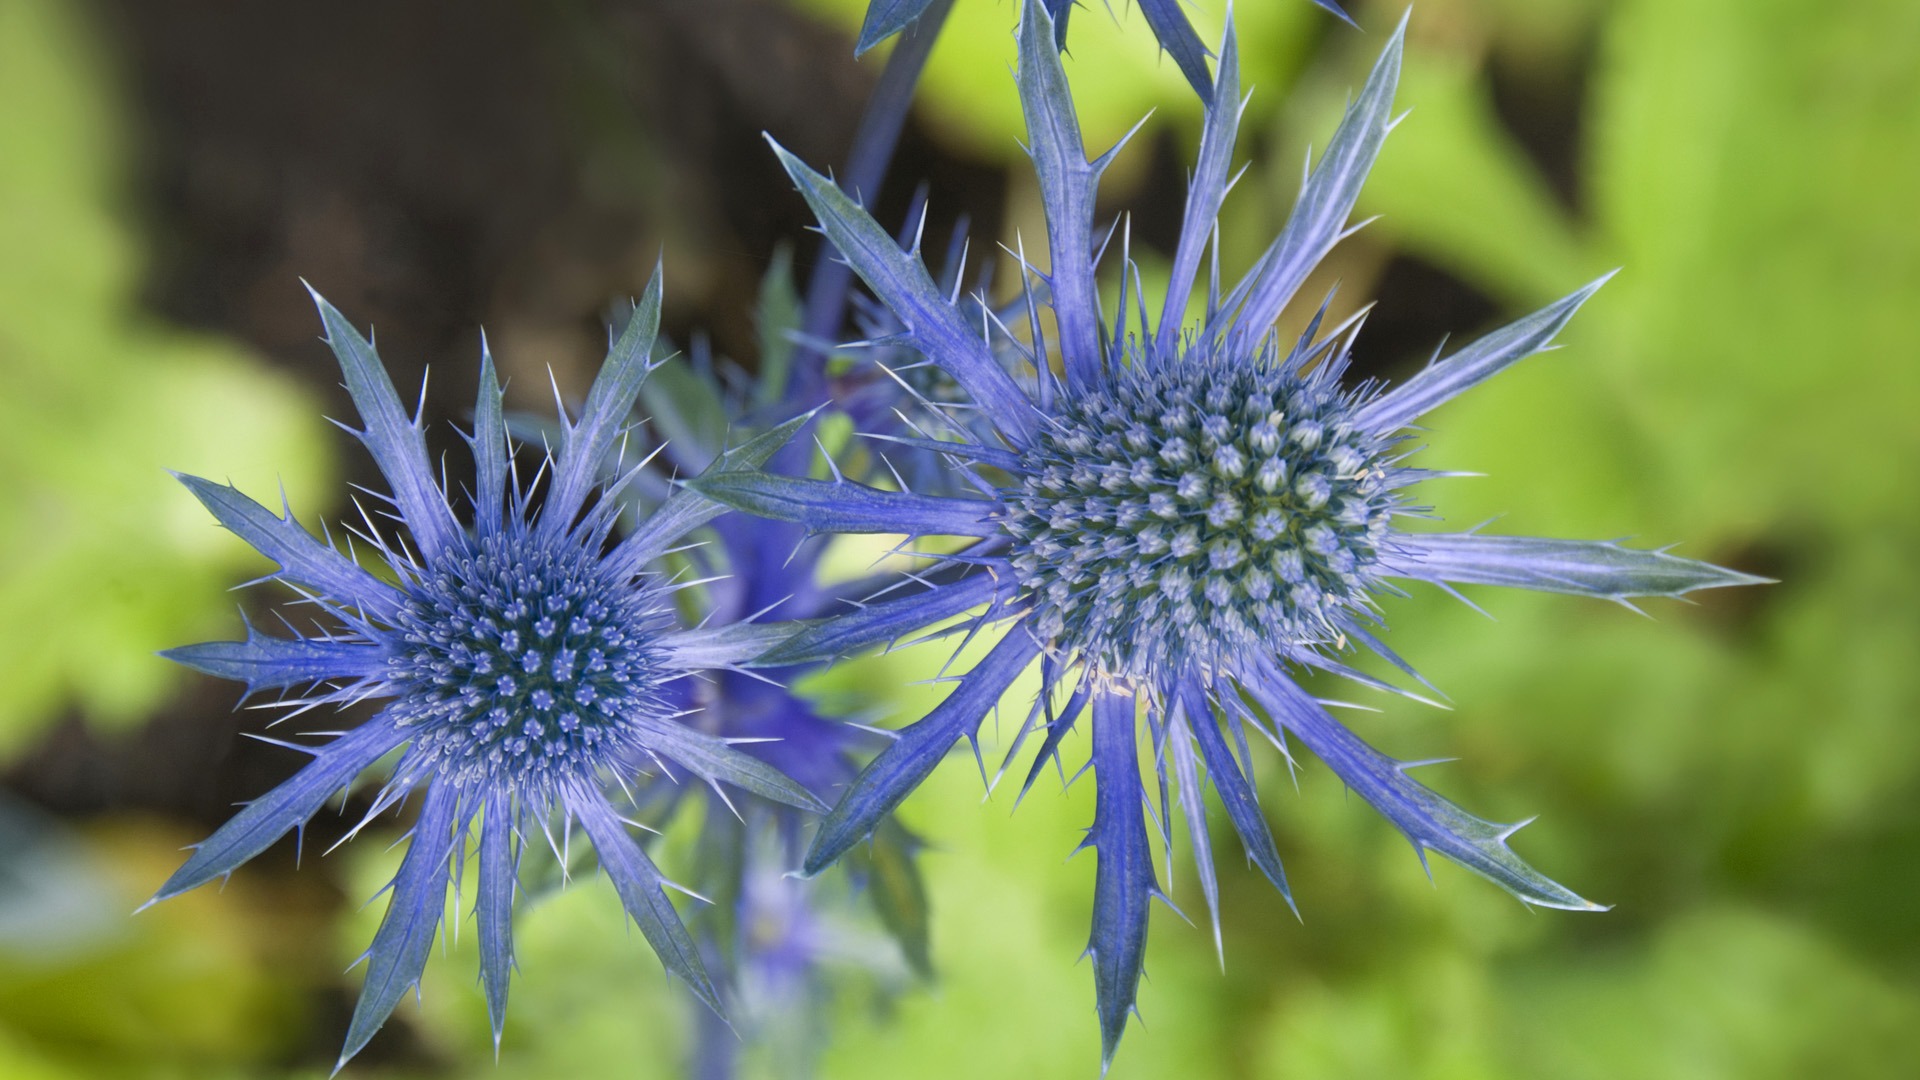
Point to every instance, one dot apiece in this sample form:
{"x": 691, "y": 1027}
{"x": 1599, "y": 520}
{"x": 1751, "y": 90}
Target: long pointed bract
{"x": 414, "y": 907}
{"x": 264, "y": 662}
{"x": 900, "y": 280}
{"x": 886, "y": 18}
{"x": 609, "y": 404}
{"x": 489, "y": 446}
{"x": 905, "y": 762}
{"x": 714, "y": 761}
{"x": 847, "y": 506}
{"x": 1067, "y": 182}
{"x": 1581, "y": 567}
{"x": 303, "y": 560}
{"x": 1177, "y": 36}
{"x": 278, "y": 812}
{"x": 883, "y": 622}
{"x": 686, "y": 510}
{"x": 1473, "y": 365}
{"x": 393, "y": 438}
{"x": 1429, "y": 821}
{"x": 1237, "y": 795}
{"x": 1206, "y": 191}
{"x": 494, "y": 909}
{"x": 1123, "y": 881}
{"x": 642, "y": 891}
{"x": 1326, "y": 201}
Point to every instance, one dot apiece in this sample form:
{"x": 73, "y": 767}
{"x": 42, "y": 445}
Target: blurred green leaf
{"x": 776, "y": 319}
{"x": 106, "y": 559}
{"x": 203, "y": 985}
{"x": 898, "y": 893}
{"x": 686, "y": 409}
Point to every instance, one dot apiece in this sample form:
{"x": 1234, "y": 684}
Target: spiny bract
{"x": 1175, "y": 519}
{"x": 526, "y": 663}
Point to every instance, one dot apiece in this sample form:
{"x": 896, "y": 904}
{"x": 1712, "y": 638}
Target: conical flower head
{"x": 525, "y": 664}
{"x": 1189, "y": 510}
{"x": 1176, "y": 519}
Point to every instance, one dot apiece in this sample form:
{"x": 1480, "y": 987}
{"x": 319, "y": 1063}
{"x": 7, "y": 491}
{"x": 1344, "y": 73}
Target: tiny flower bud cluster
{"x": 1190, "y": 509}
{"x": 524, "y": 658}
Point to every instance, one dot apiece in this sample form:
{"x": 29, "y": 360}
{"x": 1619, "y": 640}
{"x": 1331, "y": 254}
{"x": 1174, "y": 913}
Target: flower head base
{"x": 1193, "y": 508}
{"x": 528, "y": 661}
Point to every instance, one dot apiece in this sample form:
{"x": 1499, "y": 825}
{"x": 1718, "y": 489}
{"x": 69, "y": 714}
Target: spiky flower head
{"x": 525, "y": 666}
{"x": 1178, "y": 520}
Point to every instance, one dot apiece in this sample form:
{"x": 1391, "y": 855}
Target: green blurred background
{"x": 1741, "y": 778}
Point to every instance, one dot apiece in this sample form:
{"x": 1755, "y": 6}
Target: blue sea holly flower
{"x": 525, "y": 664}
{"x": 1169, "y": 24}
{"x": 1178, "y": 521}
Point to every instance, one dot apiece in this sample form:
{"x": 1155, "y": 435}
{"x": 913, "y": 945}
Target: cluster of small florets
{"x": 524, "y": 660}
{"x": 1192, "y": 507}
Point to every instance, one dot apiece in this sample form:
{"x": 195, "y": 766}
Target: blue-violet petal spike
{"x": 1176, "y": 36}
{"x": 489, "y": 447}
{"x": 886, "y": 18}
{"x": 712, "y": 760}
{"x": 1429, "y": 821}
{"x": 1193, "y": 807}
{"x": 1320, "y": 214}
{"x": 414, "y": 907}
{"x": 642, "y": 891}
{"x": 686, "y": 510}
{"x": 1473, "y": 365}
{"x": 280, "y": 811}
{"x": 883, "y": 622}
{"x": 609, "y": 403}
{"x": 264, "y": 662}
{"x": 393, "y": 438}
{"x": 493, "y": 910}
{"x": 1237, "y": 795}
{"x": 900, "y": 279}
{"x": 1067, "y": 182}
{"x": 847, "y": 506}
{"x": 905, "y": 762}
{"x": 1582, "y": 567}
{"x": 1206, "y": 191}
{"x": 1123, "y": 881}
{"x": 303, "y": 560}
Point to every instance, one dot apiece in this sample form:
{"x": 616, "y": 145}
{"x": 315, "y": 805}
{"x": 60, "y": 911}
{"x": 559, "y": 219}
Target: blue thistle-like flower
{"x": 1183, "y": 514}
{"x": 1169, "y": 24}
{"x": 527, "y": 666}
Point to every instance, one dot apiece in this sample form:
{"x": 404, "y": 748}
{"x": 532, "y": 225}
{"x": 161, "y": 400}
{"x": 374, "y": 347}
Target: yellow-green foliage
{"x": 103, "y": 559}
